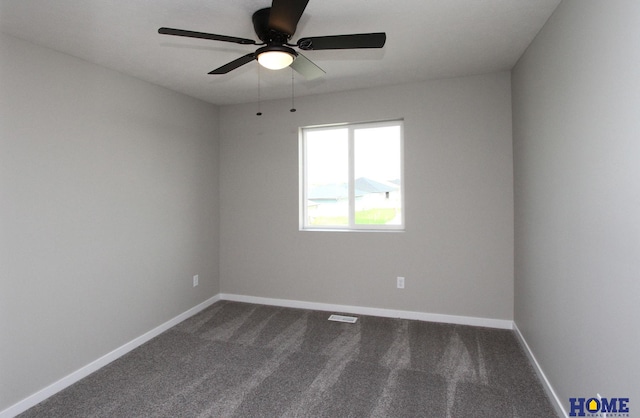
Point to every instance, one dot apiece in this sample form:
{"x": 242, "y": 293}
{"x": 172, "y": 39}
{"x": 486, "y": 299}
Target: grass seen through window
{"x": 368, "y": 217}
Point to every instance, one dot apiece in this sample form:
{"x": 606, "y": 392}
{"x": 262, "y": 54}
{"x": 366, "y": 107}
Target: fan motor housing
{"x": 261, "y": 26}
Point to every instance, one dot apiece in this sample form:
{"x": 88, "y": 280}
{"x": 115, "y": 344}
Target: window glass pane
{"x": 378, "y": 175}
{"x": 327, "y": 177}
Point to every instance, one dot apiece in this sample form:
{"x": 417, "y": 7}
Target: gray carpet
{"x": 243, "y": 360}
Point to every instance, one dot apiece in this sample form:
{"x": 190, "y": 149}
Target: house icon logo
{"x": 593, "y": 406}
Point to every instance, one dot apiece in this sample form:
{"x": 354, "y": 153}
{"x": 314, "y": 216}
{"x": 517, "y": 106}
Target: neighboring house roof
{"x": 363, "y": 186}
{"x": 368, "y": 185}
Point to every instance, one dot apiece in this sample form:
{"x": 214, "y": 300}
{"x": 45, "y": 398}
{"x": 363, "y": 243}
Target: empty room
{"x": 319, "y": 208}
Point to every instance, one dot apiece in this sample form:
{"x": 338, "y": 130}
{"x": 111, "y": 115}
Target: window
{"x": 351, "y": 177}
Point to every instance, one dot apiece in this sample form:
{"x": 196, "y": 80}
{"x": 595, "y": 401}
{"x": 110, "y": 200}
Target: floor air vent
{"x": 341, "y": 318}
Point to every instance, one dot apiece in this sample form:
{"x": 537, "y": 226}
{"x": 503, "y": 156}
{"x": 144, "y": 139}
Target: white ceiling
{"x": 426, "y": 39}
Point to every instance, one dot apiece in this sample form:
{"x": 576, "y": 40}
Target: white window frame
{"x": 352, "y": 226}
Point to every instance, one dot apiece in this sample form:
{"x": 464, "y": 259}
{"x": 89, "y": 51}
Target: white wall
{"x": 457, "y": 251}
{"x": 576, "y": 101}
{"x": 108, "y": 207}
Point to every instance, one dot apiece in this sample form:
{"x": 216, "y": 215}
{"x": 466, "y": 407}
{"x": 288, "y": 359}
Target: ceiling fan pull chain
{"x": 293, "y": 106}
{"x": 259, "y": 100}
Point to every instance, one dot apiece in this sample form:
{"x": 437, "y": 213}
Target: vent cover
{"x": 342, "y": 318}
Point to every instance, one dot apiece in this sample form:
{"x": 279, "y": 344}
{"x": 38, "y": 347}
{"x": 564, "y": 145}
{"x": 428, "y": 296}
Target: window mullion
{"x": 352, "y": 192}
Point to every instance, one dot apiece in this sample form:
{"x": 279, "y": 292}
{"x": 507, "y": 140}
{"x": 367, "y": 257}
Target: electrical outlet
{"x": 400, "y": 282}
{"x": 195, "y": 280}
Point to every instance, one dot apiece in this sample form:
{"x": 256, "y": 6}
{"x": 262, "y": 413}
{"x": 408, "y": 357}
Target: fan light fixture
{"x": 276, "y": 57}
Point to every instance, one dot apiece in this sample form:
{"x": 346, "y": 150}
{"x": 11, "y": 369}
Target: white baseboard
{"x": 79, "y": 374}
{"x": 361, "y": 310}
{"x": 545, "y": 382}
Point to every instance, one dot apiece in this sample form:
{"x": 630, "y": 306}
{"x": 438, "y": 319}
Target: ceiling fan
{"x": 275, "y": 26}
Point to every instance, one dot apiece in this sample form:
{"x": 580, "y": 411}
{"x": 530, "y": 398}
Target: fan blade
{"x": 356, "y": 41}
{"x": 285, "y": 15}
{"x": 202, "y": 35}
{"x": 306, "y": 67}
{"x": 234, "y": 64}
